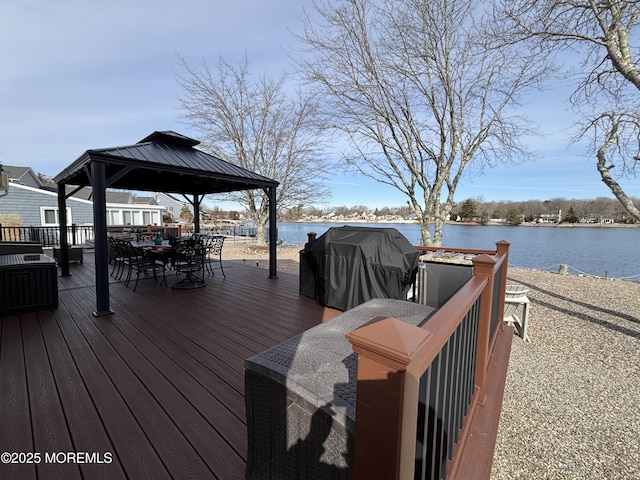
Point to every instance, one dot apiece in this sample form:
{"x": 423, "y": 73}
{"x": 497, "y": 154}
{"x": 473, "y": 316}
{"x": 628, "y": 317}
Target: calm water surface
{"x": 603, "y": 252}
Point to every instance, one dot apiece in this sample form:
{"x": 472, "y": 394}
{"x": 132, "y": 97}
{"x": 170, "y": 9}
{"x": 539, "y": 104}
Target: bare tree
{"x": 420, "y": 93}
{"x": 259, "y": 126}
{"x": 186, "y": 215}
{"x": 46, "y": 180}
{"x": 601, "y": 32}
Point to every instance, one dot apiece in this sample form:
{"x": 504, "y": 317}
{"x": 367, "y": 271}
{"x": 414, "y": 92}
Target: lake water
{"x": 602, "y": 252}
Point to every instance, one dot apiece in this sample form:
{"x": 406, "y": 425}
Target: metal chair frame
{"x": 189, "y": 259}
{"x": 213, "y": 248}
{"x": 139, "y": 262}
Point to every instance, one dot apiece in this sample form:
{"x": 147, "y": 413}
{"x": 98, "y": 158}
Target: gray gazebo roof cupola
{"x": 162, "y": 162}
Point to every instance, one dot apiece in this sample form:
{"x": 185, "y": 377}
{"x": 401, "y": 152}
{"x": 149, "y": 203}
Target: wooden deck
{"x": 154, "y": 391}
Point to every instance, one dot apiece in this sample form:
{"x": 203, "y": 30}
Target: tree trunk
{"x": 438, "y": 224}
{"x": 425, "y": 232}
{"x": 608, "y": 180}
{"x": 261, "y": 232}
{"x": 617, "y": 190}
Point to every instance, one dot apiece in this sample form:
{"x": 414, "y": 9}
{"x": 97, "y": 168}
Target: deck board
{"x": 15, "y": 434}
{"x": 132, "y": 447}
{"x": 83, "y": 419}
{"x": 48, "y": 422}
{"x": 159, "y": 385}
{"x": 156, "y": 405}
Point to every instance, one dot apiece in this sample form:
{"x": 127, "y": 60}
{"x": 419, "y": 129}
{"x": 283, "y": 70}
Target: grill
{"x": 348, "y": 266}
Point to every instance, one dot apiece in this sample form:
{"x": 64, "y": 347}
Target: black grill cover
{"x": 348, "y": 266}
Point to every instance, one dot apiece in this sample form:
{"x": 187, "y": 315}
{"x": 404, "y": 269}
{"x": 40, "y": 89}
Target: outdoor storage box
{"x": 75, "y": 254}
{"x": 28, "y": 282}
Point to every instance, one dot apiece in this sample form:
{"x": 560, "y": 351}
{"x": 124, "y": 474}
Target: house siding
{"x": 26, "y": 202}
{"x": 173, "y": 205}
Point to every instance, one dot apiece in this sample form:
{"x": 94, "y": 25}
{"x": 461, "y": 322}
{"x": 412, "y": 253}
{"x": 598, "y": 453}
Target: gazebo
{"x": 164, "y": 161}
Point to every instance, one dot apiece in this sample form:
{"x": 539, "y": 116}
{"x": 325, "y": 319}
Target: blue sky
{"x": 79, "y": 75}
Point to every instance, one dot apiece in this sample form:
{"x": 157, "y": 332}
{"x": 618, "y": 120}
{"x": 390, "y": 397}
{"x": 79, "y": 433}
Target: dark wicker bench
{"x": 300, "y": 397}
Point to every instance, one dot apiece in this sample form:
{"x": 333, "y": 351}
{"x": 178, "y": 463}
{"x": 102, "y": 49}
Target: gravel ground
{"x": 570, "y": 408}
{"x": 571, "y": 401}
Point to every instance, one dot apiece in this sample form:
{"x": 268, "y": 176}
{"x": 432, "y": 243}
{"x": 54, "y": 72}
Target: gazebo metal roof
{"x": 164, "y": 161}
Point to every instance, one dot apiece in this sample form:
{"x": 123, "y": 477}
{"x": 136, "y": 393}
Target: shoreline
{"x": 472, "y": 224}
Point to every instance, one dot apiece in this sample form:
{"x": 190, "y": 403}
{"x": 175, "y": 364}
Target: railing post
{"x": 385, "y": 443}
{"x": 502, "y": 249}
{"x": 484, "y": 265}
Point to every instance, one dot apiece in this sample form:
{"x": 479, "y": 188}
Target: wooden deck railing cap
{"x": 389, "y": 341}
{"x": 484, "y": 260}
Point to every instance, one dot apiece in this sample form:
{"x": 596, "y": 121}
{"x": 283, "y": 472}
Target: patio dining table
{"x": 182, "y": 256}
{"x": 165, "y": 246}
{"x": 152, "y": 245}
{"x": 163, "y": 252}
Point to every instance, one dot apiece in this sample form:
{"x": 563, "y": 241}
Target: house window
{"x": 49, "y": 216}
{"x": 114, "y": 217}
{"x": 133, "y": 217}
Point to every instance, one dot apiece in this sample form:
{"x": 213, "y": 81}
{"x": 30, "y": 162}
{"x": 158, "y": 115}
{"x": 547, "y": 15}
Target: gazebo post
{"x": 196, "y": 212}
{"x": 62, "y": 222}
{"x": 99, "y": 185}
{"x": 273, "y": 232}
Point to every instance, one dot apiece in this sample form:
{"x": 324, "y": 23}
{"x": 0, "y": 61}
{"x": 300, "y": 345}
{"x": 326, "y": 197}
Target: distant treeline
{"x": 477, "y": 209}
{"x": 570, "y": 210}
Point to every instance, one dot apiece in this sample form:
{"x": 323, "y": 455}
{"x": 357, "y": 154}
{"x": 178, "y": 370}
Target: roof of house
{"x": 164, "y": 161}
{"x": 144, "y": 200}
{"x": 170, "y": 196}
{"x": 16, "y": 174}
{"x": 86, "y": 193}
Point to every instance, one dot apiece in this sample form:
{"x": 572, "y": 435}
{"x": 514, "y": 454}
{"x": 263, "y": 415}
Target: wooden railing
{"x": 47, "y": 236}
{"x": 420, "y": 390}
{"x": 79, "y": 234}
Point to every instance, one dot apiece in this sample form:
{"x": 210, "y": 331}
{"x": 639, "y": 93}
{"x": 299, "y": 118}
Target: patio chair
{"x": 118, "y": 256}
{"x": 141, "y": 263}
{"x": 189, "y": 260}
{"x": 213, "y": 248}
{"x": 516, "y": 296}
